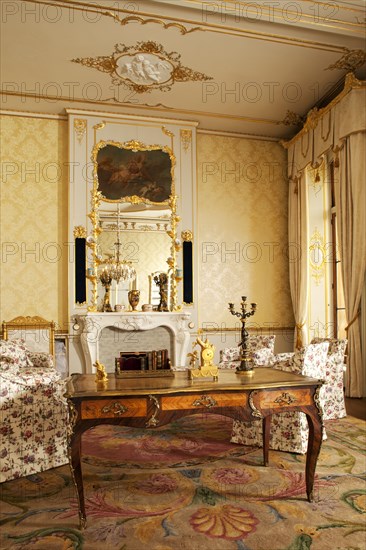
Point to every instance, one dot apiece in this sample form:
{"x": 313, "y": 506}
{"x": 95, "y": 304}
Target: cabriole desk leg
{"x": 75, "y": 466}
{"x": 314, "y": 445}
{"x": 266, "y": 426}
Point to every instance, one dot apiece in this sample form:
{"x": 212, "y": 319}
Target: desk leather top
{"x": 84, "y": 385}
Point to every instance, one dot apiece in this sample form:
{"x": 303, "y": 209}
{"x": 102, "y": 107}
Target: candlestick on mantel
{"x": 246, "y": 365}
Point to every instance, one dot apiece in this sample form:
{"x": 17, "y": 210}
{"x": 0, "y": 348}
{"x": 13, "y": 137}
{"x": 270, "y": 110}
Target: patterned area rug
{"x": 185, "y": 487}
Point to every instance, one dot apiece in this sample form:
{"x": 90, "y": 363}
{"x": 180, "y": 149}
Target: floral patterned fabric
{"x": 14, "y": 352}
{"x": 289, "y": 431}
{"x": 261, "y": 349}
{"x": 33, "y": 416}
{"x": 334, "y": 406}
{"x": 40, "y": 359}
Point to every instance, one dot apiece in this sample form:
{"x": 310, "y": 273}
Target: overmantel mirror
{"x": 132, "y": 258}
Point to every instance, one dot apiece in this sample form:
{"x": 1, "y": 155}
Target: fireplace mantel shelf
{"x": 91, "y": 325}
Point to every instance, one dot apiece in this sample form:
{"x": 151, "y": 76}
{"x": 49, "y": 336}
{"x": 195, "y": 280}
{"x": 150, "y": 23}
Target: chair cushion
{"x": 14, "y": 352}
{"x": 41, "y": 359}
{"x": 262, "y": 357}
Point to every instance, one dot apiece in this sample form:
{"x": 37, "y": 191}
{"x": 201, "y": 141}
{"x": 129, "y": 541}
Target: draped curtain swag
{"x": 340, "y": 128}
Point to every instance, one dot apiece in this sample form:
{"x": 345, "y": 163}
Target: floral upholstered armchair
{"x": 289, "y": 431}
{"x": 333, "y": 394}
{"x": 33, "y": 412}
{"x": 261, "y": 349}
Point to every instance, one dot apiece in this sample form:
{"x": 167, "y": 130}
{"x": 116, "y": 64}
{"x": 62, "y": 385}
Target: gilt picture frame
{"x": 133, "y": 172}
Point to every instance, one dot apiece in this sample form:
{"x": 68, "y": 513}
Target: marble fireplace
{"x": 104, "y": 335}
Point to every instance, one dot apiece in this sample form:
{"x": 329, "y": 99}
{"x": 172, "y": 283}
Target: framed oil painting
{"x": 125, "y": 172}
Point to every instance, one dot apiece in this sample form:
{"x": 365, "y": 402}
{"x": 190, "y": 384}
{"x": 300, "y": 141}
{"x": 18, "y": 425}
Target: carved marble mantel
{"x": 91, "y": 325}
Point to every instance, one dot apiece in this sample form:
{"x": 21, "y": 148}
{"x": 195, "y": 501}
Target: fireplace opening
{"x": 113, "y": 341}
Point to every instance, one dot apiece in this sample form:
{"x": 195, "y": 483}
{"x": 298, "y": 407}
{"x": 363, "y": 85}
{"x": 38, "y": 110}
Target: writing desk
{"x": 144, "y": 402}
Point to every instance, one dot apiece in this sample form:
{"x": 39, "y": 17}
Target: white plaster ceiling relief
{"x": 143, "y": 67}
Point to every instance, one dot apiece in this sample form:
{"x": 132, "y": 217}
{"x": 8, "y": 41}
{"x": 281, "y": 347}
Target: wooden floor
{"x": 356, "y": 407}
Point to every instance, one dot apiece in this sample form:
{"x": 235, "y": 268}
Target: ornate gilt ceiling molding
{"x": 292, "y": 119}
{"x": 135, "y": 18}
{"x": 350, "y": 61}
{"x": 144, "y": 67}
{"x": 148, "y": 17}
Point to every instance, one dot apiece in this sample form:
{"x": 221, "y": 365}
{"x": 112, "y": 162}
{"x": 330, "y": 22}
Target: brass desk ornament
{"x": 101, "y": 377}
{"x": 206, "y": 367}
{"x": 246, "y": 365}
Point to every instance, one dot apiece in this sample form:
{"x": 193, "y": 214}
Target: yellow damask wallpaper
{"x": 241, "y": 225}
{"x": 242, "y": 230}
{"x": 34, "y": 218}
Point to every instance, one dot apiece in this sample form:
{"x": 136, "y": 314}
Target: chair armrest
{"x": 41, "y": 359}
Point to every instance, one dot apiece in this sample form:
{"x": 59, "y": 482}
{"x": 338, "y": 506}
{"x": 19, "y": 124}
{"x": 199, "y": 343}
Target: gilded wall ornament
{"x": 317, "y": 255}
{"x": 80, "y": 126}
{"x": 187, "y": 235}
{"x": 186, "y": 138}
{"x": 350, "y": 61}
{"x": 144, "y": 67}
{"x": 79, "y": 232}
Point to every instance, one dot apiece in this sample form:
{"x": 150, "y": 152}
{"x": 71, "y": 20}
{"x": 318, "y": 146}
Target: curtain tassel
{"x": 353, "y": 320}
{"x": 299, "y": 335}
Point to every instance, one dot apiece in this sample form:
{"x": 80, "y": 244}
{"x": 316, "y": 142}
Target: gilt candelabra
{"x": 246, "y": 365}
{"x": 106, "y": 280}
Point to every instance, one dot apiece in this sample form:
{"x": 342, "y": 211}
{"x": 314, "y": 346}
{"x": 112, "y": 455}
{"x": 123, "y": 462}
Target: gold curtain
{"x": 350, "y": 197}
{"x": 298, "y": 255}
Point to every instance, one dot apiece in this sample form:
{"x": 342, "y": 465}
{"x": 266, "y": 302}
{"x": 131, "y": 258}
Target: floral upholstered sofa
{"x": 33, "y": 412}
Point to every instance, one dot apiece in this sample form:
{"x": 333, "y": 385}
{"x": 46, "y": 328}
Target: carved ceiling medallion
{"x": 143, "y": 67}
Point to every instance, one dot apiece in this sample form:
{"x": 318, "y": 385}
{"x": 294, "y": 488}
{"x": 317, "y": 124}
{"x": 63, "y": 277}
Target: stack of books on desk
{"x": 153, "y": 362}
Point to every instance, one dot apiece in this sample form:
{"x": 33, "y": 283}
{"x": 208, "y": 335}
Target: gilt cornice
{"x": 315, "y": 115}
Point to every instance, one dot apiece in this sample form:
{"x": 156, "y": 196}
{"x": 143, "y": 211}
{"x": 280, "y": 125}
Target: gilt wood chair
{"x": 38, "y": 333}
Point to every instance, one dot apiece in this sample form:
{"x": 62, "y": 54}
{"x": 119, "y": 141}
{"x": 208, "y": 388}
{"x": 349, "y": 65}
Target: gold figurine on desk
{"x": 206, "y": 367}
{"x": 101, "y": 376}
